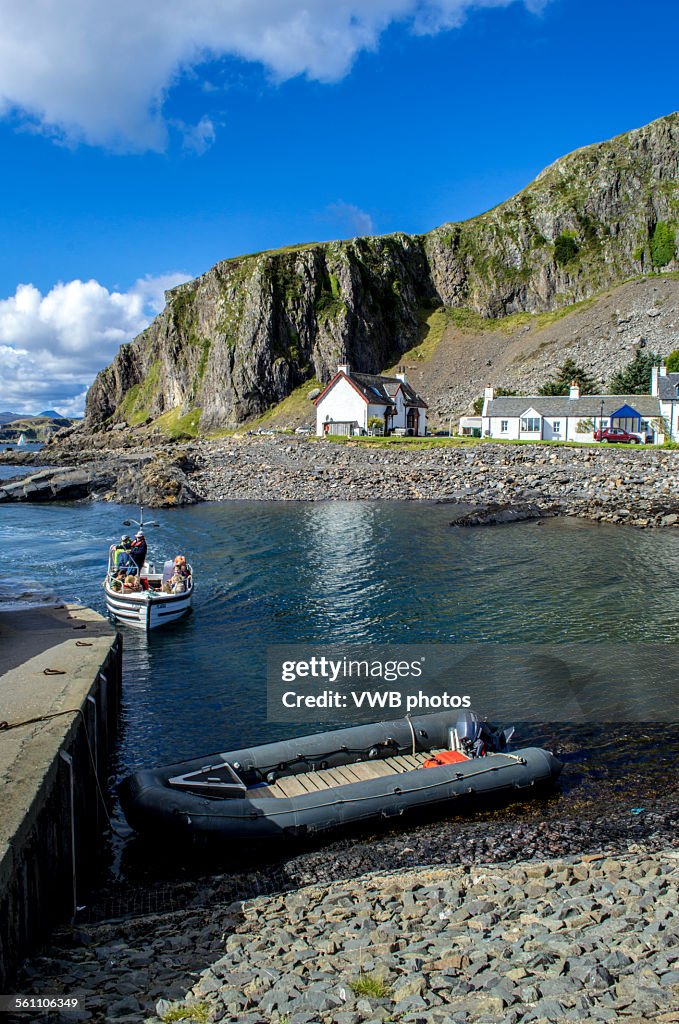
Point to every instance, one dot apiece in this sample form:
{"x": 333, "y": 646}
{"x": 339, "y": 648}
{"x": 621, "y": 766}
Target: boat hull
{"x": 147, "y": 611}
{"x": 153, "y": 801}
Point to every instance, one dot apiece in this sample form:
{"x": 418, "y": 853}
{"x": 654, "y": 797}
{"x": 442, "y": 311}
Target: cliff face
{"x": 242, "y": 336}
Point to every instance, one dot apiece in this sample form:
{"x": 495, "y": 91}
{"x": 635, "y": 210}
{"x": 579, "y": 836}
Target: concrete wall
{"x": 52, "y": 816}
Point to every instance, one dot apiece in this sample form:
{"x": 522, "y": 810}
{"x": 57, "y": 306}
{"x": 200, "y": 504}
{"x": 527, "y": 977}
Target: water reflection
{"x": 276, "y": 573}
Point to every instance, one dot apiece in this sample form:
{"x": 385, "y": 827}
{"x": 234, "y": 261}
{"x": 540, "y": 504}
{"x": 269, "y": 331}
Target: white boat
{"x": 151, "y": 606}
{"x": 162, "y": 597}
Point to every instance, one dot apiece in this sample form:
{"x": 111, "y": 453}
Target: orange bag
{"x": 445, "y": 757}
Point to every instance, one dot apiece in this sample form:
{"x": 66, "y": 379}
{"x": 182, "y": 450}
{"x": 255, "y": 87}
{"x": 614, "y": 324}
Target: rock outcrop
{"x": 155, "y": 480}
{"x": 241, "y": 337}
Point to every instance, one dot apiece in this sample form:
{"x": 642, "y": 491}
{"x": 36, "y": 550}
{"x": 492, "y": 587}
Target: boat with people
{"x": 137, "y": 593}
{"x": 314, "y": 784}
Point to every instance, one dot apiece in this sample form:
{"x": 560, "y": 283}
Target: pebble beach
{"x": 440, "y": 923}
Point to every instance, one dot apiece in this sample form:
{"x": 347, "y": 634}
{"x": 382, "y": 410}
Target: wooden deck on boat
{"x": 343, "y": 775}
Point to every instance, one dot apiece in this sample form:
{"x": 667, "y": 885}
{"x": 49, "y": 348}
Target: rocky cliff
{"x": 241, "y": 337}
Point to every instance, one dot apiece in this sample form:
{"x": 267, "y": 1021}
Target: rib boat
{"x": 319, "y": 783}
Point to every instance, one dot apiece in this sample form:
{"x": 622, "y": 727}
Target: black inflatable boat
{"x": 316, "y": 783}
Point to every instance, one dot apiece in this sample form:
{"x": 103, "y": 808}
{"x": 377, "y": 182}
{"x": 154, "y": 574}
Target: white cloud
{"x": 352, "y": 218}
{"x": 197, "y": 138}
{"x": 99, "y": 73}
{"x": 52, "y": 346}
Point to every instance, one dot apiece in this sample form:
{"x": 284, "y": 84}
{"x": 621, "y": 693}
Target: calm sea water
{"x": 271, "y": 573}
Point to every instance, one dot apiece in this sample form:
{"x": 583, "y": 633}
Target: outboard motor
{"x": 476, "y": 737}
{"x": 467, "y": 730}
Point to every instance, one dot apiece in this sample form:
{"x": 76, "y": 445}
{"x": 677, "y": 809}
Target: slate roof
{"x": 668, "y": 387}
{"x": 586, "y": 406}
{"x": 381, "y": 390}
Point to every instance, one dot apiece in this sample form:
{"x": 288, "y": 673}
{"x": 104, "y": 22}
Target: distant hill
{"x": 50, "y": 414}
{"x": 34, "y": 428}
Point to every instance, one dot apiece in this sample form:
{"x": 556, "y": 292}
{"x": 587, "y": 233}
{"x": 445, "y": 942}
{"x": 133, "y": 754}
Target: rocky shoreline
{"x": 550, "y": 941}
{"x": 500, "y": 482}
{"x": 583, "y": 936}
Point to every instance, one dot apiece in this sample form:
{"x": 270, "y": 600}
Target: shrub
{"x": 663, "y": 244}
{"x": 565, "y": 248}
{"x": 672, "y": 361}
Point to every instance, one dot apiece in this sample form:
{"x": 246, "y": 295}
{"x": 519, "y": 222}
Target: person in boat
{"x": 180, "y": 567}
{"x": 132, "y": 583}
{"x": 138, "y": 549}
{"x": 121, "y": 557}
{"x": 176, "y": 584}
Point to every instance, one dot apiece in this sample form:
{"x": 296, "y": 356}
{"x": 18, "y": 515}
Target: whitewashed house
{"x": 568, "y": 418}
{"x": 351, "y": 400}
{"x": 665, "y": 386}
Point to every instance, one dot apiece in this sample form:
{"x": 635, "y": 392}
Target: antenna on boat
{"x": 140, "y": 522}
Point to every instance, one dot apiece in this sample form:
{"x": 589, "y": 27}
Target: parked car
{"x": 617, "y": 435}
{"x": 305, "y": 429}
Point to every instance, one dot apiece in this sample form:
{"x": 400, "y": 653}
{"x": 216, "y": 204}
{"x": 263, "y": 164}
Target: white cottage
{"x": 351, "y": 400}
{"x": 666, "y": 387}
{"x": 568, "y": 418}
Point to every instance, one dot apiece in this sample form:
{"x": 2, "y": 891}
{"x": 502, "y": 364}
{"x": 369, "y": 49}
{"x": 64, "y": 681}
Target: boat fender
{"x": 271, "y": 777}
{"x": 445, "y": 757}
{"x": 373, "y": 753}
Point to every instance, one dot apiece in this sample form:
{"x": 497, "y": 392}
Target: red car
{"x": 617, "y": 435}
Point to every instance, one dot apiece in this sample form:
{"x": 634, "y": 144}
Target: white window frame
{"x": 504, "y": 426}
{"x": 525, "y": 420}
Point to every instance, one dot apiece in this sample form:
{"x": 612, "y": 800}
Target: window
{"x": 556, "y": 426}
{"x": 504, "y": 426}
{"x": 530, "y": 424}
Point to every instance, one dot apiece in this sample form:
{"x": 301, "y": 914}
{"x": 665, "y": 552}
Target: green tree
{"x": 663, "y": 244}
{"x": 672, "y": 361}
{"x": 567, "y": 374}
{"x": 565, "y": 248}
{"x": 635, "y": 379}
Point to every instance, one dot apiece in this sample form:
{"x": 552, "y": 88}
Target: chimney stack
{"x": 344, "y": 368}
{"x": 488, "y": 393}
{"x": 401, "y": 375}
{"x": 574, "y": 391}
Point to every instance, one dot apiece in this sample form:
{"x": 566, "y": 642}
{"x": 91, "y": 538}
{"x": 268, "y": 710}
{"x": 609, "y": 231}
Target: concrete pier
{"x": 60, "y": 685}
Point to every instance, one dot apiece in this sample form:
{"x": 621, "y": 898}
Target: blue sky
{"x": 140, "y": 145}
